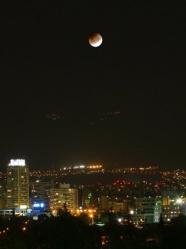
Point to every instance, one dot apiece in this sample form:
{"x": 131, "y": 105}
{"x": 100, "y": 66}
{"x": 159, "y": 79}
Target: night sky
{"x": 63, "y": 102}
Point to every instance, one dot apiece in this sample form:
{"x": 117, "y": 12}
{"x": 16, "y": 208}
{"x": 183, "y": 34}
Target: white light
{"x": 131, "y": 212}
{"x": 29, "y": 211}
{"x": 79, "y": 167}
{"x": 23, "y": 207}
{"x": 17, "y": 162}
{"x": 36, "y": 205}
{"x": 35, "y": 217}
{"x": 82, "y": 166}
{"x": 119, "y": 220}
{"x": 179, "y": 201}
{"x": 100, "y": 224}
{"x": 76, "y": 167}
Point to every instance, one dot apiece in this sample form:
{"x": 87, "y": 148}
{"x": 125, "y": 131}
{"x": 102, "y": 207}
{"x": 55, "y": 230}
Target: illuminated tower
{"x": 63, "y": 197}
{"x": 17, "y": 184}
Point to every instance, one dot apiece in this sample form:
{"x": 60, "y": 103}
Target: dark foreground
{"x": 67, "y": 232}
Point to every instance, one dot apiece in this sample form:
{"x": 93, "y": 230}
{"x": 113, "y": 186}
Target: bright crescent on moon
{"x": 95, "y": 40}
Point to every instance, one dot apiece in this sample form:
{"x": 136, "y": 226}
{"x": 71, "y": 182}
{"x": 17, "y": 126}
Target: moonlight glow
{"x": 95, "y": 40}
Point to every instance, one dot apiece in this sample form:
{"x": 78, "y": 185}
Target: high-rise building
{"x": 40, "y": 191}
{"x": 2, "y": 191}
{"x": 17, "y": 193}
{"x": 63, "y": 197}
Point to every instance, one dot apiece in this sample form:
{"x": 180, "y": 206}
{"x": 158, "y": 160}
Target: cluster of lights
{"x": 94, "y": 167}
{"x": 136, "y": 170}
{"x": 4, "y": 231}
{"x": 83, "y": 167}
{"x": 104, "y": 240}
{"x": 24, "y": 227}
{"x": 179, "y": 201}
{"x": 75, "y": 167}
{"x": 89, "y": 212}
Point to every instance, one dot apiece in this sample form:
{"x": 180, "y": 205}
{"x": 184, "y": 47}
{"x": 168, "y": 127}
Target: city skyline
{"x": 88, "y": 164}
{"x": 92, "y": 125}
{"x": 142, "y": 193}
{"x": 127, "y": 203}
{"x": 64, "y": 101}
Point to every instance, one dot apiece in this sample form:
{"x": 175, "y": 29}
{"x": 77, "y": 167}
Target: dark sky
{"x": 65, "y": 102}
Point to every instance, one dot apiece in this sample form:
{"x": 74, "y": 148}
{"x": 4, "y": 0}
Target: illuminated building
{"x": 87, "y": 198}
{"x": 115, "y": 206}
{"x": 2, "y": 193}
{"x": 157, "y": 211}
{"x": 147, "y": 210}
{"x": 166, "y": 201}
{"x": 103, "y": 204}
{"x": 79, "y": 169}
{"x": 17, "y": 194}
{"x": 63, "y": 198}
{"x": 170, "y": 211}
{"x": 39, "y": 191}
{"x": 173, "y": 209}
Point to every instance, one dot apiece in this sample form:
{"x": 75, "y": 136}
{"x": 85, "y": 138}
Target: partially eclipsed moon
{"x": 95, "y": 40}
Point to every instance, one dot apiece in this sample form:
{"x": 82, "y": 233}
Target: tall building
{"x": 2, "y": 191}
{"x": 40, "y": 191}
{"x": 64, "y": 196}
{"x": 17, "y": 193}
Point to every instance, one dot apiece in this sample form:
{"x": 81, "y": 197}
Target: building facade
{"x": 17, "y": 192}
{"x": 147, "y": 210}
{"x": 63, "y": 197}
{"x": 40, "y": 191}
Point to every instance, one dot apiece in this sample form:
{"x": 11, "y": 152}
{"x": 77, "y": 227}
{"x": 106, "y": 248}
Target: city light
{"x": 131, "y": 212}
{"x": 39, "y": 205}
{"x": 120, "y": 220}
{"x": 91, "y": 215}
{"x": 23, "y": 207}
{"x": 179, "y": 201}
{"x": 79, "y": 167}
{"x": 17, "y": 162}
{"x": 35, "y": 218}
{"x": 100, "y": 224}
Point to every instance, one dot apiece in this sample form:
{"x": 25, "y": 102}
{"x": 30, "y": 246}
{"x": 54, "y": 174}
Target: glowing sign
{"x": 17, "y": 162}
{"x": 23, "y": 207}
{"x": 35, "y": 217}
{"x": 38, "y": 205}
